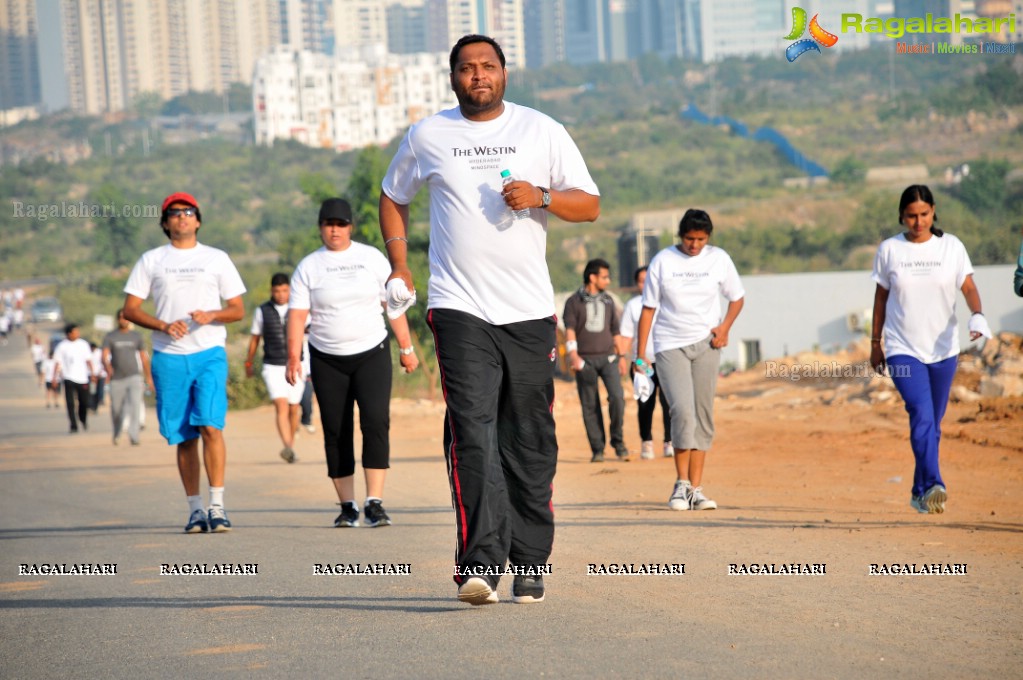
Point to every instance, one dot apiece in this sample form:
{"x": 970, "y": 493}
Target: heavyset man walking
{"x": 491, "y": 307}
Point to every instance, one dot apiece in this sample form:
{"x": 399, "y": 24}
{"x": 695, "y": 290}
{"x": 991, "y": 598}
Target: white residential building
{"x": 346, "y": 103}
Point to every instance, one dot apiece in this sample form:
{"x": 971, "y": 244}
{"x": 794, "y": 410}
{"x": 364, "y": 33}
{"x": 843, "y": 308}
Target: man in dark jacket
{"x": 594, "y": 349}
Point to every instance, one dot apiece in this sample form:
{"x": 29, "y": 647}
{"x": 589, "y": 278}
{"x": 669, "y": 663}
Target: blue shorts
{"x": 191, "y": 392}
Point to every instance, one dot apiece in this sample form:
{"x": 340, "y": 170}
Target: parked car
{"x": 46, "y": 309}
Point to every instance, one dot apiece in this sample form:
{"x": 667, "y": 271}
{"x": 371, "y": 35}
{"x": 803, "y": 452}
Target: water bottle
{"x": 507, "y": 178}
{"x": 645, "y": 367}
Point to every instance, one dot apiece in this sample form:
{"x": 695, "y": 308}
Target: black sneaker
{"x": 349, "y": 516}
{"x": 527, "y": 589}
{"x": 622, "y": 452}
{"x": 376, "y": 516}
{"x": 598, "y": 457}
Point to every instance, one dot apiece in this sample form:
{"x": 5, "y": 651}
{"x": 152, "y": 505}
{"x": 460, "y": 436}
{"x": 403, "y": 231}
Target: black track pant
{"x": 341, "y": 382}
{"x": 73, "y": 390}
{"x": 499, "y": 438}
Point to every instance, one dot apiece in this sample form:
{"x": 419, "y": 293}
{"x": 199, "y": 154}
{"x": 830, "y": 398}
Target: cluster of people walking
{"x": 491, "y": 310}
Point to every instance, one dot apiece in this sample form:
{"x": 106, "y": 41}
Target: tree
{"x": 849, "y": 171}
{"x": 147, "y": 104}
{"x": 116, "y": 233}
{"x": 984, "y": 189}
{"x": 364, "y": 194}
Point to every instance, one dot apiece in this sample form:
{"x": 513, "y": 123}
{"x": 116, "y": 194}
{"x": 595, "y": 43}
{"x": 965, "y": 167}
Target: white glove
{"x": 642, "y": 386}
{"x": 978, "y": 324}
{"x": 399, "y": 298}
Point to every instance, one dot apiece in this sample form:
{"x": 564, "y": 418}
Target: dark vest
{"x": 275, "y": 336}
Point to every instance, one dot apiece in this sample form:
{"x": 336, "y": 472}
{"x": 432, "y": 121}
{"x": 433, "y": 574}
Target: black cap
{"x": 336, "y": 209}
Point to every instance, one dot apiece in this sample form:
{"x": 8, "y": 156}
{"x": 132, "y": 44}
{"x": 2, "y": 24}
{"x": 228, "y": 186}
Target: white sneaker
{"x": 934, "y": 499}
{"x": 680, "y": 495}
{"x": 697, "y": 501}
{"x": 310, "y": 428}
{"x": 477, "y": 591}
{"x": 647, "y": 451}
{"x": 669, "y": 450}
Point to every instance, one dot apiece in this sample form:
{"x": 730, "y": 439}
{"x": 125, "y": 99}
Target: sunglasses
{"x": 177, "y": 212}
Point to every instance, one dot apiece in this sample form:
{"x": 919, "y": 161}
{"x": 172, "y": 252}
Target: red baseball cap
{"x": 179, "y": 197}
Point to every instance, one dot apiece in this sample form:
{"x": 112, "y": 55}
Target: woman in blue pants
{"x": 918, "y": 273}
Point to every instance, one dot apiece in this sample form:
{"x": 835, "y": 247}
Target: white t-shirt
{"x": 344, "y": 293}
{"x": 49, "y": 369}
{"x": 257, "y": 318}
{"x": 686, "y": 290}
{"x": 922, "y": 280}
{"x": 73, "y": 357}
{"x": 97, "y": 361}
{"x": 482, "y": 260}
{"x": 38, "y": 352}
{"x": 184, "y": 280}
{"x": 630, "y": 327}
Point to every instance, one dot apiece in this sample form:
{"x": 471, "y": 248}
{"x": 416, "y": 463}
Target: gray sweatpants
{"x": 126, "y": 402}
{"x": 689, "y": 378}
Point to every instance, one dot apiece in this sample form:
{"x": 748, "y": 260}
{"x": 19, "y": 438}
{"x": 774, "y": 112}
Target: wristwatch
{"x": 405, "y": 351}
{"x": 546, "y": 199}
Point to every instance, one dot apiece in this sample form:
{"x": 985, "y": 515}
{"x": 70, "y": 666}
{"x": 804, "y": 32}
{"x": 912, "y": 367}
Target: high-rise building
{"x": 544, "y": 27}
{"x": 586, "y": 31}
{"x": 406, "y": 26}
{"x": 304, "y": 25}
{"x": 358, "y": 23}
{"x": 502, "y": 20}
{"x": 349, "y": 102}
{"x": 99, "y": 55}
{"x": 19, "y": 65}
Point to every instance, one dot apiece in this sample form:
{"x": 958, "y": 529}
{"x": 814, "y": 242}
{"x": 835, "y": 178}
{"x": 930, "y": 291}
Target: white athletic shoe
{"x": 697, "y": 501}
{"x": 477, "y": 591}
{"x": 647, "y": 451}
{"x": 934, "y": 499}
{"x": 680, "y": 495}
{"x": 669, "y": 450}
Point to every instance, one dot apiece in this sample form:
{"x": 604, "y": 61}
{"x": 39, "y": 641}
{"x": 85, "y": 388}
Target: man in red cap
{"x": 188, "y": 280}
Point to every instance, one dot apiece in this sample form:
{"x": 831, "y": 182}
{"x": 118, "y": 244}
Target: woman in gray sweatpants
{"x": 685, "y": 284}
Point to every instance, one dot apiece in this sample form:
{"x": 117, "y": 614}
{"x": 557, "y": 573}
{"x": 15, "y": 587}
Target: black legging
{"x": 71, "y": 390}
{"x": 340, "y": 382}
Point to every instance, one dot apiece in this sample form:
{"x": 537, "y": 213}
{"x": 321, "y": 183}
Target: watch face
{"x": 546, "y": 197}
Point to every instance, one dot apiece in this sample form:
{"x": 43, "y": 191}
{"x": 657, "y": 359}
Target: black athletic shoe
{"x": 376, "y": 516}
{"x": 349, "y": 516}
{"x": 622, "y": 452}
{"x": 598, "y": 457}
{"x": 527, "y": 589}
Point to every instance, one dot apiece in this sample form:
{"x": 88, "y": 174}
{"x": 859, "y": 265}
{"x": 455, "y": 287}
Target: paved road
{"x": 76, "y": 499}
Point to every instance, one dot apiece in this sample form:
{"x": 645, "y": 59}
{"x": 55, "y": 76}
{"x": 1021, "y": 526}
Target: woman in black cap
{"x": 340, "y": 289}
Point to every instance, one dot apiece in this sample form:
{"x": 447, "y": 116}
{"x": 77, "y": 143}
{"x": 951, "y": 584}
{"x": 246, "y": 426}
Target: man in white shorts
{"x": 270, "y": 322}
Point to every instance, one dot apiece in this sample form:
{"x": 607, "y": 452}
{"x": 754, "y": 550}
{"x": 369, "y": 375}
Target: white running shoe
{"x": 680, "y": 495}
{"x": 669, "y": 450}
{"x": 697, "y": 501}
{"x": 477, "y": 591}
{"x": 647, "y": 451}
{"x": 934, "y": 499}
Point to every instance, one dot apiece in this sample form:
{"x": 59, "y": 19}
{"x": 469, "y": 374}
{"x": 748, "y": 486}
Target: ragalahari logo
{"x": 817, "y": 35}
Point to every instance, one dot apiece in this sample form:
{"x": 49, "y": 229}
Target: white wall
{"x": 791, "y": 313}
